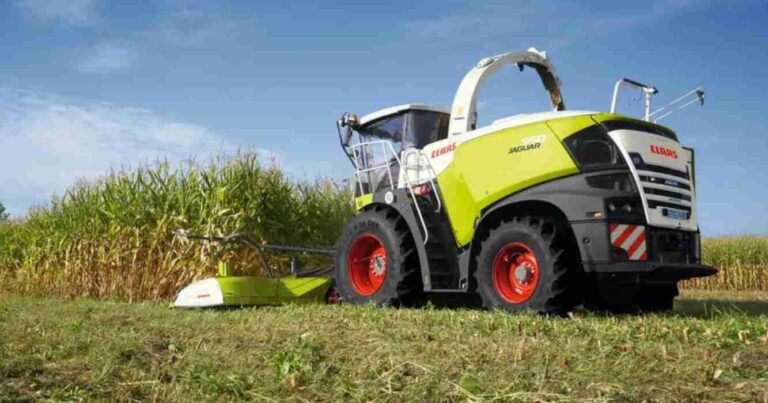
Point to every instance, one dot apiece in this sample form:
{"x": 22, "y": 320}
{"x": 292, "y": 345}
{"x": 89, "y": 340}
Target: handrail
{"x": 387, "y": 146}
{"x": 696, "y": 95}
{"x": 430, "y": 171}
{"x": 648, "y": 91}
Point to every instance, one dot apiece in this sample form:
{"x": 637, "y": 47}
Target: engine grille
{"x": 672, "y": 197}
{"x": 666, "y": 171}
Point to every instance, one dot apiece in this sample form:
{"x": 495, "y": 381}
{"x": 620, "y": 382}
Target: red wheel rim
{"x": 367, "y": 264}
{"x": 515, "y": 273}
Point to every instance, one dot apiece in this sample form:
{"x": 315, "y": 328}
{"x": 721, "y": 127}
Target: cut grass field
{"x": 713, "y": 346}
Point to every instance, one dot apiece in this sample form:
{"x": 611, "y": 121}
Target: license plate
{"x": 677, "y": 214}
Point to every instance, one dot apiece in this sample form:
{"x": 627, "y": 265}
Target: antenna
{"x": 680, "y": 103}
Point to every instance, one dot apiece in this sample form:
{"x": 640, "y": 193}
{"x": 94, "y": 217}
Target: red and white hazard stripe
{"x": 631, "y": 238}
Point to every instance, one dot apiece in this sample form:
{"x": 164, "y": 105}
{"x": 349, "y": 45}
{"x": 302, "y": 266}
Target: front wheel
{"x": 374, "y": 260}
{"x": 522, "y": 266}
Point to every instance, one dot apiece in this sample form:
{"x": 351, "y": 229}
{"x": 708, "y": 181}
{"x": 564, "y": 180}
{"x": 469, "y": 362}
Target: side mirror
{"x": 345, "y": 125}
{"x": 346, "y": 135}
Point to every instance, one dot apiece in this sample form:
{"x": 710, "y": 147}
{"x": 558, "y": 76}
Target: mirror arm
{"x": 344, "y": 140}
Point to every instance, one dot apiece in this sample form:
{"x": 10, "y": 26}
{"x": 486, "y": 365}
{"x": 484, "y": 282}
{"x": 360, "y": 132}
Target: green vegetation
{"x": 113, "y": 237}
{"x": 707, "y": 349}
{"x": 743, "y": 264}
{"x": 3, "y": 215}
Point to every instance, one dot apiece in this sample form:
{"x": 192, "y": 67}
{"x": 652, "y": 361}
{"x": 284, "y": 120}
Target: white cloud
{"x": 106, "y": 57}
{"x": 47, "y": 142}
{"x": 537, "y": 21}
{"x": 69, "y": 12}
{"x": 192, "y": 23}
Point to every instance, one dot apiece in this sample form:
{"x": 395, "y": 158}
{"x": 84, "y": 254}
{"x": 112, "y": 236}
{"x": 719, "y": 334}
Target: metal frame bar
{"x": 251, "y": 243}
{"x": 386, "y": 146}
{"x": 672, "y": 107}
{"x": 648, "y": 90}
{"x": 430, "y": 170}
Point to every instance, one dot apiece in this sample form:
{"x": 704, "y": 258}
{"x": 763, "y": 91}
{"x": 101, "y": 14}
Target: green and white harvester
{"x": 540, "y": 212}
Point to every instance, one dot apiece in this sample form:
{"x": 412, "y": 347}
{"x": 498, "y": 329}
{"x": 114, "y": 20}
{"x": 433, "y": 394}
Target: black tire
{"x": 401, "y": 282}
{"x": 657, "y": 298}
{"x": 554, "y": 293}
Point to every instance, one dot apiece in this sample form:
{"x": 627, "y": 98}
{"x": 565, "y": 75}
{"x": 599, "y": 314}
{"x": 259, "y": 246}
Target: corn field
{"x": 113, "y": 237}
{"x": 743, "y": 264}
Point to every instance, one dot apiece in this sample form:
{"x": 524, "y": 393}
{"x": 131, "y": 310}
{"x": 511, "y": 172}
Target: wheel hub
{"x": 378, "y": 265}
{"x": 524, "y": 273}
{"x": 515, "y": 273}
{"x": 367, "y": 264}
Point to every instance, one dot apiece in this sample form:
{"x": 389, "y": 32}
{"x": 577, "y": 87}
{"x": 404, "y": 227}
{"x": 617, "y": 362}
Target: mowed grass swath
{"x": 113, "y": 237}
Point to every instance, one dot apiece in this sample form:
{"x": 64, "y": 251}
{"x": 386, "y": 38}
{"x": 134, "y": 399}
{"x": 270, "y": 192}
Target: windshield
{"x": 410, "y": 129}
{"x": 386, "y": 129}
{"x": 415, "y": 128}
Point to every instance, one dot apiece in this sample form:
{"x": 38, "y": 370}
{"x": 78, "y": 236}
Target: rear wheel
{"x": 522, "y": 265}
{"x": 374, "y": 261}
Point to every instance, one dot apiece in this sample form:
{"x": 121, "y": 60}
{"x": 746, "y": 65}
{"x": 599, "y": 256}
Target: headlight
{"x": 622, "y": 181}
{"x": 592, "y": 150}
{"x": 637, "y": 160}
{"x": 631, "y": 208}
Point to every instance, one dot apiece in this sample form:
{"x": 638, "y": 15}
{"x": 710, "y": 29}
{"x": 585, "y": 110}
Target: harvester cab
{"x": 384, "y": 135}
{"x": 539, "y": 211}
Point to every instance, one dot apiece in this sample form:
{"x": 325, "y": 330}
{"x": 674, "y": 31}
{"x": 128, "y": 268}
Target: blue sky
{"x": 89, "y": 85}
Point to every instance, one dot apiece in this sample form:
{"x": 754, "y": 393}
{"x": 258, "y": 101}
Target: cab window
{"x": 425, "y": 127}
{"x": 415, "y": 128}
{"x": 410, "y": 129}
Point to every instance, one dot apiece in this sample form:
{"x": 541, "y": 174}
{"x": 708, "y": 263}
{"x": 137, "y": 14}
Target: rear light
{"x": 592, "y": 150}
{"x": 421, "y": 190}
